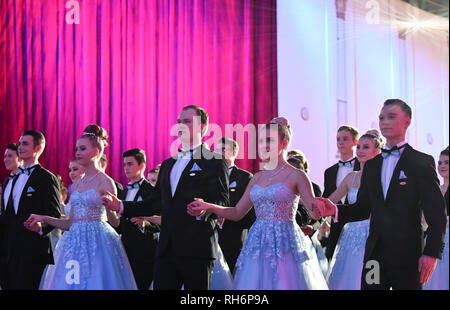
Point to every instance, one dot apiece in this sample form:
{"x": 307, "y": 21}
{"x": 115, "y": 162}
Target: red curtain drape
{"x": 130, "y": 66}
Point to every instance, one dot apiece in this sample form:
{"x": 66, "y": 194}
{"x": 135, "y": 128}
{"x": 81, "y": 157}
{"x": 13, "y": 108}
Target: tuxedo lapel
{"x": 30, "y": 181}
{"x": 393, "y": 185}
{"x": 165, "y": 185}
{"x": 185, "y": 175}
{"x": 378, "y": 166}
{"x": 5, "y": 182}
{"x": 233, "y": 174}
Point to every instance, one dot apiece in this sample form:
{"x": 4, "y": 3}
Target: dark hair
{"x": 230, "y": 142}
{"x": 97, "y": 135}
{"x": 204, "y": 117}
{"x": 375, "y": 136}
{"x": 73, "y": 160}
{"x": 38, "y": 137}
{"x": 13, "y": 147}
{"x": 296, "y": 163}
{"x": 445, "y": 152}
{"x": 301, "y": 158}
{"x": 400, "y": 103}
{"x": 353, "y": 131}
{"x": 155, "y": 170}
{"x": 138, "y": 154}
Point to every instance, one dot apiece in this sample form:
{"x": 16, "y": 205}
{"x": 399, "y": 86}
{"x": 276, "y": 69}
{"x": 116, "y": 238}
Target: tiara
{"x": 280, "y": 122}
{"x": 88, "y": 134}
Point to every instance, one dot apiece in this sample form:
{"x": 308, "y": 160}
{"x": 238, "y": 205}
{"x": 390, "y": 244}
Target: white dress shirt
{"x": 22, "y": 179}
{"x": 131, "y": 193}
{"x": 388, "y": 168}
{"x": 342, "y": 173}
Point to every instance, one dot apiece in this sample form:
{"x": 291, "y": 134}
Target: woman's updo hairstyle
{"x": 375, "y": 136}
{"x": 97, "y": 135}
{"x": 284, "y": 129}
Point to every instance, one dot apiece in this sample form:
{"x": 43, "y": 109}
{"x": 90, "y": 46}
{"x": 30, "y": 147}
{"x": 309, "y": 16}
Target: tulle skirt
{"x": 221, "y": 278}
{"x": 439, "y": 279}
{"x": 278, "y": 256}
{"x": 90, "y": 256}
{"x": 345, "y": 269}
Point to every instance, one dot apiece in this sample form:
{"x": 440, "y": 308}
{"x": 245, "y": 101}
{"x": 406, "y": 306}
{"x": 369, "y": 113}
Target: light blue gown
{"x": 221, "y": 278}
{"x": 439, "y": 280}
{"x": 276, "y": 254}
{"x": 345, "y": 268}
{"x": 90, "y": 256}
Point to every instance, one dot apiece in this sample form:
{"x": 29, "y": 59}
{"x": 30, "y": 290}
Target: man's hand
{"x": 307, "y": 230}
{"x": 111, "y": 202}
{"x": 327, "y": 208}
{"x": 139, "y": 221}
{"x": 427, "y": 264}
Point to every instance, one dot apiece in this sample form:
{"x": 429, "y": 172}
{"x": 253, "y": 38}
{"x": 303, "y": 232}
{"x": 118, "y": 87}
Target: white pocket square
{"x": 233, "y": 185}
{"x": 195, "y": 167}
{"x": 402, "y": 175}
{"x": 30, "y": 190}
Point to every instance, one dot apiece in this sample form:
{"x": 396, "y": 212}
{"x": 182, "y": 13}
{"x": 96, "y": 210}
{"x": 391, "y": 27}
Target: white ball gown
{"x": 90, "y": 256}
{"x": 221, "y": 278}
{"x": 345, "y": 269}
{"x": 276, "y": 254}
{"x": 439, "y": 279}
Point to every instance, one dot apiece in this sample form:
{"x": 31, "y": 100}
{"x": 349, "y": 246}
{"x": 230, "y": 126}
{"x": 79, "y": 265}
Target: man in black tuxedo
{"x": 346, "y": 139}
{"x": 187, "y": 245}
{"x": 232, "y": 235}
{"x": 139, "y": 237}
{"x": 396, "y": 187}
{"x": 25, "y": 251}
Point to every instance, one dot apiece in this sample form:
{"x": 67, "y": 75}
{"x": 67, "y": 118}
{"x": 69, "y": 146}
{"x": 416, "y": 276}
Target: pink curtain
{"x": 130, "y": 66}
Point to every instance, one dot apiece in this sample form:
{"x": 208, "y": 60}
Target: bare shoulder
{"x": 256, "y": 176}
{"x": 105, "y": 183}
{"x": 292, "y": 172}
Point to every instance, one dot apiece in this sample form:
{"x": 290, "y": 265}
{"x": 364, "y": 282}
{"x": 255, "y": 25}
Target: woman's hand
{"x": 33, "y": 223}
{"x": 198, "y": 207}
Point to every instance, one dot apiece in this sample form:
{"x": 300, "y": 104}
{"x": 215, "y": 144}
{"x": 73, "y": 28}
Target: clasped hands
{"x": 322, "y": 207}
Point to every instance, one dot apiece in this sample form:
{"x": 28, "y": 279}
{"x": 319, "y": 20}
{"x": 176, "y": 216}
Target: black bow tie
{"x": 346, "y": 163}
{"x": 184, "y": 153}
{"x": 134, "y": 185}
{"x": 395, "y": 151}
{"x": 26, "y": 171}
{"x": 191, "y": 151}
{"x": 12, "y": 176}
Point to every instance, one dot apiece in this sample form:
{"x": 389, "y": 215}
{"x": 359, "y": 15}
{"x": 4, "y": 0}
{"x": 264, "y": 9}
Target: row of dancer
{"x": 258, "y": 267}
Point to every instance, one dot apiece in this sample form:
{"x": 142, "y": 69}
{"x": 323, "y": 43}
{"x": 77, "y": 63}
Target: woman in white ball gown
{"x": 89, "y": 255}
{"x": 276, "y": 254}
{"x": 346, "y": 265}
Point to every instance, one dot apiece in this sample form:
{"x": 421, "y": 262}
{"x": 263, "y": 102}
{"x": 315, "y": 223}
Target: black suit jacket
{"x": 233, "y": 234}
{"x": 335, "y": 228}
{"x": 395, "y": 223}
{"x": 17, "y": 241}
{"x": 186, "y": 236}
{"x": 140, "y": 246}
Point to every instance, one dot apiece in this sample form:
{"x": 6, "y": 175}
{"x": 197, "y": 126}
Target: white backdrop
{"x": 339, "y": 70}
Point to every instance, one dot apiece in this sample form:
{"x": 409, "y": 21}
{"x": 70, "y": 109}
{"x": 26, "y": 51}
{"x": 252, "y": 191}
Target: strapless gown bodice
{"x": 90, "y": 255}
{"x": 276, "y": 254}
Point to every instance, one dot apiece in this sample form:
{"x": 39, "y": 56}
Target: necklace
{"x": 83, "y": 180}
{"x": 276, "y": 173}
